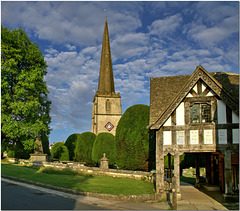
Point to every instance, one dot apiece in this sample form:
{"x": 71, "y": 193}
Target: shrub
{"x": 11, "y": 154}
{"x": 59, "y": 151}
{"x": 132, "y": 139}
{"x": 64, "y": 154}
{"x": 83, "y": 151}
{"x": 104, "y": 143}
{"x": 71, "y": 145}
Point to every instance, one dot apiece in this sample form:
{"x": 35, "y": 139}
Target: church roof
{"x": 166, "y": 93}
{"x": 106, "y": 80}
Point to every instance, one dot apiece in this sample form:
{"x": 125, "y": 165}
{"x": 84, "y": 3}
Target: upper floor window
{"x": 200, "y": 113}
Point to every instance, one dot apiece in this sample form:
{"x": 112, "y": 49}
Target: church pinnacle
{"x": 106, "y": 80}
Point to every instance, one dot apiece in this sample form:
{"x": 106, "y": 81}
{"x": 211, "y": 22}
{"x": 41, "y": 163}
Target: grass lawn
{"x": 192, "y": 180}
{"x": 80, "y": 182}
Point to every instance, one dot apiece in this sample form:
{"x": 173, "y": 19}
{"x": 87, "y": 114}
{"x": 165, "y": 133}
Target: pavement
{"x": 194, "y": 199}
{"x": 191, "y": 199}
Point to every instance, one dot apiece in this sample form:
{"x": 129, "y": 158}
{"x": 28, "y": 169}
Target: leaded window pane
{"x": 195, "y": 113}
{"x": 206, "y": 113}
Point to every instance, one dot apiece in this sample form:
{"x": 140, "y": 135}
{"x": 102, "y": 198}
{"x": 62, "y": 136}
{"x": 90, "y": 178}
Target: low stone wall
{"x": 138, "y": 175}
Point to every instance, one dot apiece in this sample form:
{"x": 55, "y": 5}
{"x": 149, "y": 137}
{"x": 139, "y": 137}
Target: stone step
{"x": 211, "y": 187}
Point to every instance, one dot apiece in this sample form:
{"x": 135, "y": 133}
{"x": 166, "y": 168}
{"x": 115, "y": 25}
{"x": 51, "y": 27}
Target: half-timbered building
{"x": 197, "y": 113}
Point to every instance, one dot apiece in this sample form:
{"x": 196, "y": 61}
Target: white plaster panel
{"x": 168, "y": 122}
{"x": 210, "y": 93}
{"x": 222, "y": 136}
{"x": 208, "y": 137}
{"x": 221, "y": 110}
{"x": 195, "y": 88}
{"x": 189, "y": 95}
{"x": 193, "y": 136}
{"x": 235, "y": 136}
{"x": 235, "y": 117}
{"x": 167, "y": 137}
{"x": 180, "y": 114}
{"x": 180, "y": 137}
{"x": 203, "y": 87}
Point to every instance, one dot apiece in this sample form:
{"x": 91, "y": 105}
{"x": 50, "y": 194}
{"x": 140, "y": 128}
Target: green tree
{"x": 132, "y": 139}
{"x": 83, "y": 151}
{"x": 104, "y": 143}
{"x": 25, "y": 106}
{"x": 71, "y": 145}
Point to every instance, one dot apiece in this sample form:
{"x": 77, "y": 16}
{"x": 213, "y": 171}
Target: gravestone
{"x": 38, "y": 155}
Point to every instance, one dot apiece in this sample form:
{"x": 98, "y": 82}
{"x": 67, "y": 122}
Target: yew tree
{"x": 25, "y": 106}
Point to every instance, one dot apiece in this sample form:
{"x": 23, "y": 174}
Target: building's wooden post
{"x": 159, "y": 162}
{"x": 212, "y": 169}
{"x": 197, "y": 185}
{"x": 228, "y": 172}
{"x": 169, "y": 166}
{"x": 208, "y": 168}
{"x": 177, "y": 173}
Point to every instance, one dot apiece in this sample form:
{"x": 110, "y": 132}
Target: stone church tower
{"x": 107, "y": 109}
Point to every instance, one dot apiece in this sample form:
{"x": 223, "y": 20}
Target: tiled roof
{"x": 163, "y": 90}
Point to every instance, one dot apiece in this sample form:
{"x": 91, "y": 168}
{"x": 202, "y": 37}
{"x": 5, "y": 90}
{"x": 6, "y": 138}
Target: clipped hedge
{"x": 104, "y": 143}
{"x": 60, "y": 152}
{"x": 64, "y": 154}
{"x": 71, "y": 145}
{"x": 132, "y": 139}
{"x": 84, "y": 145}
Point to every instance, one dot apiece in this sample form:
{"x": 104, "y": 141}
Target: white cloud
{"x": 71, "y": 47}
{"x": 63, "y": 21}
{"x": 167, "y": 25}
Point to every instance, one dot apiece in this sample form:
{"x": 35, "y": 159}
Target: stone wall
{"x": 138, "y": 175}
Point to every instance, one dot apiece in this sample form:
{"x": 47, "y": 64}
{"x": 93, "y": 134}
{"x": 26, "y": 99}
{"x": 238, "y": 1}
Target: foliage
{"x": 20, "y": 152}
{"x": 49, "y": 170}
{"x": 64, "y": 154}
{"x": 11, "y": 154}
{"x": 71, "y": 145}
{"x": 132, "y": 139}
{"x": 25, "y": 106}
{"x": 189, "y": 160}
{"x": 172, "y": 161}
{"x": 83, "y": 151}
{"x": 60, "y": 152}
{"x": 104, "y": 143}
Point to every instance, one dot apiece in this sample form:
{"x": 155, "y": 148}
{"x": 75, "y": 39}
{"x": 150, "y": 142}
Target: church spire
{"x": 106, "y": 80}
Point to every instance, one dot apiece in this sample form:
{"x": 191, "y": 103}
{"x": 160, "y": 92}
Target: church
{"x": 107, "y": 109}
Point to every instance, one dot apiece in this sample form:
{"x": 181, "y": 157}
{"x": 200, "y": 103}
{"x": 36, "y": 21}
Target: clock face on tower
{"x": 109, "y": 126}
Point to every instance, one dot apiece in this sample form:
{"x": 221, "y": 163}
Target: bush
{"x": 11, "y": 154}
{"x": 60, "y": 152}
{"x": 64, "y": 154}
{"x": 132, "y": 139}
{"x": 83, "y": 151}
{"x": 71, "y": 145}
{"x": 104, "y": 143}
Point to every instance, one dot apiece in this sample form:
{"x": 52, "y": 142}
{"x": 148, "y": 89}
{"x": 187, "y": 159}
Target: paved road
{"x": 16, "y": 197}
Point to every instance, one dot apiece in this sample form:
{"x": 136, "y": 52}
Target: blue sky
{"x": 148, "y": 39}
